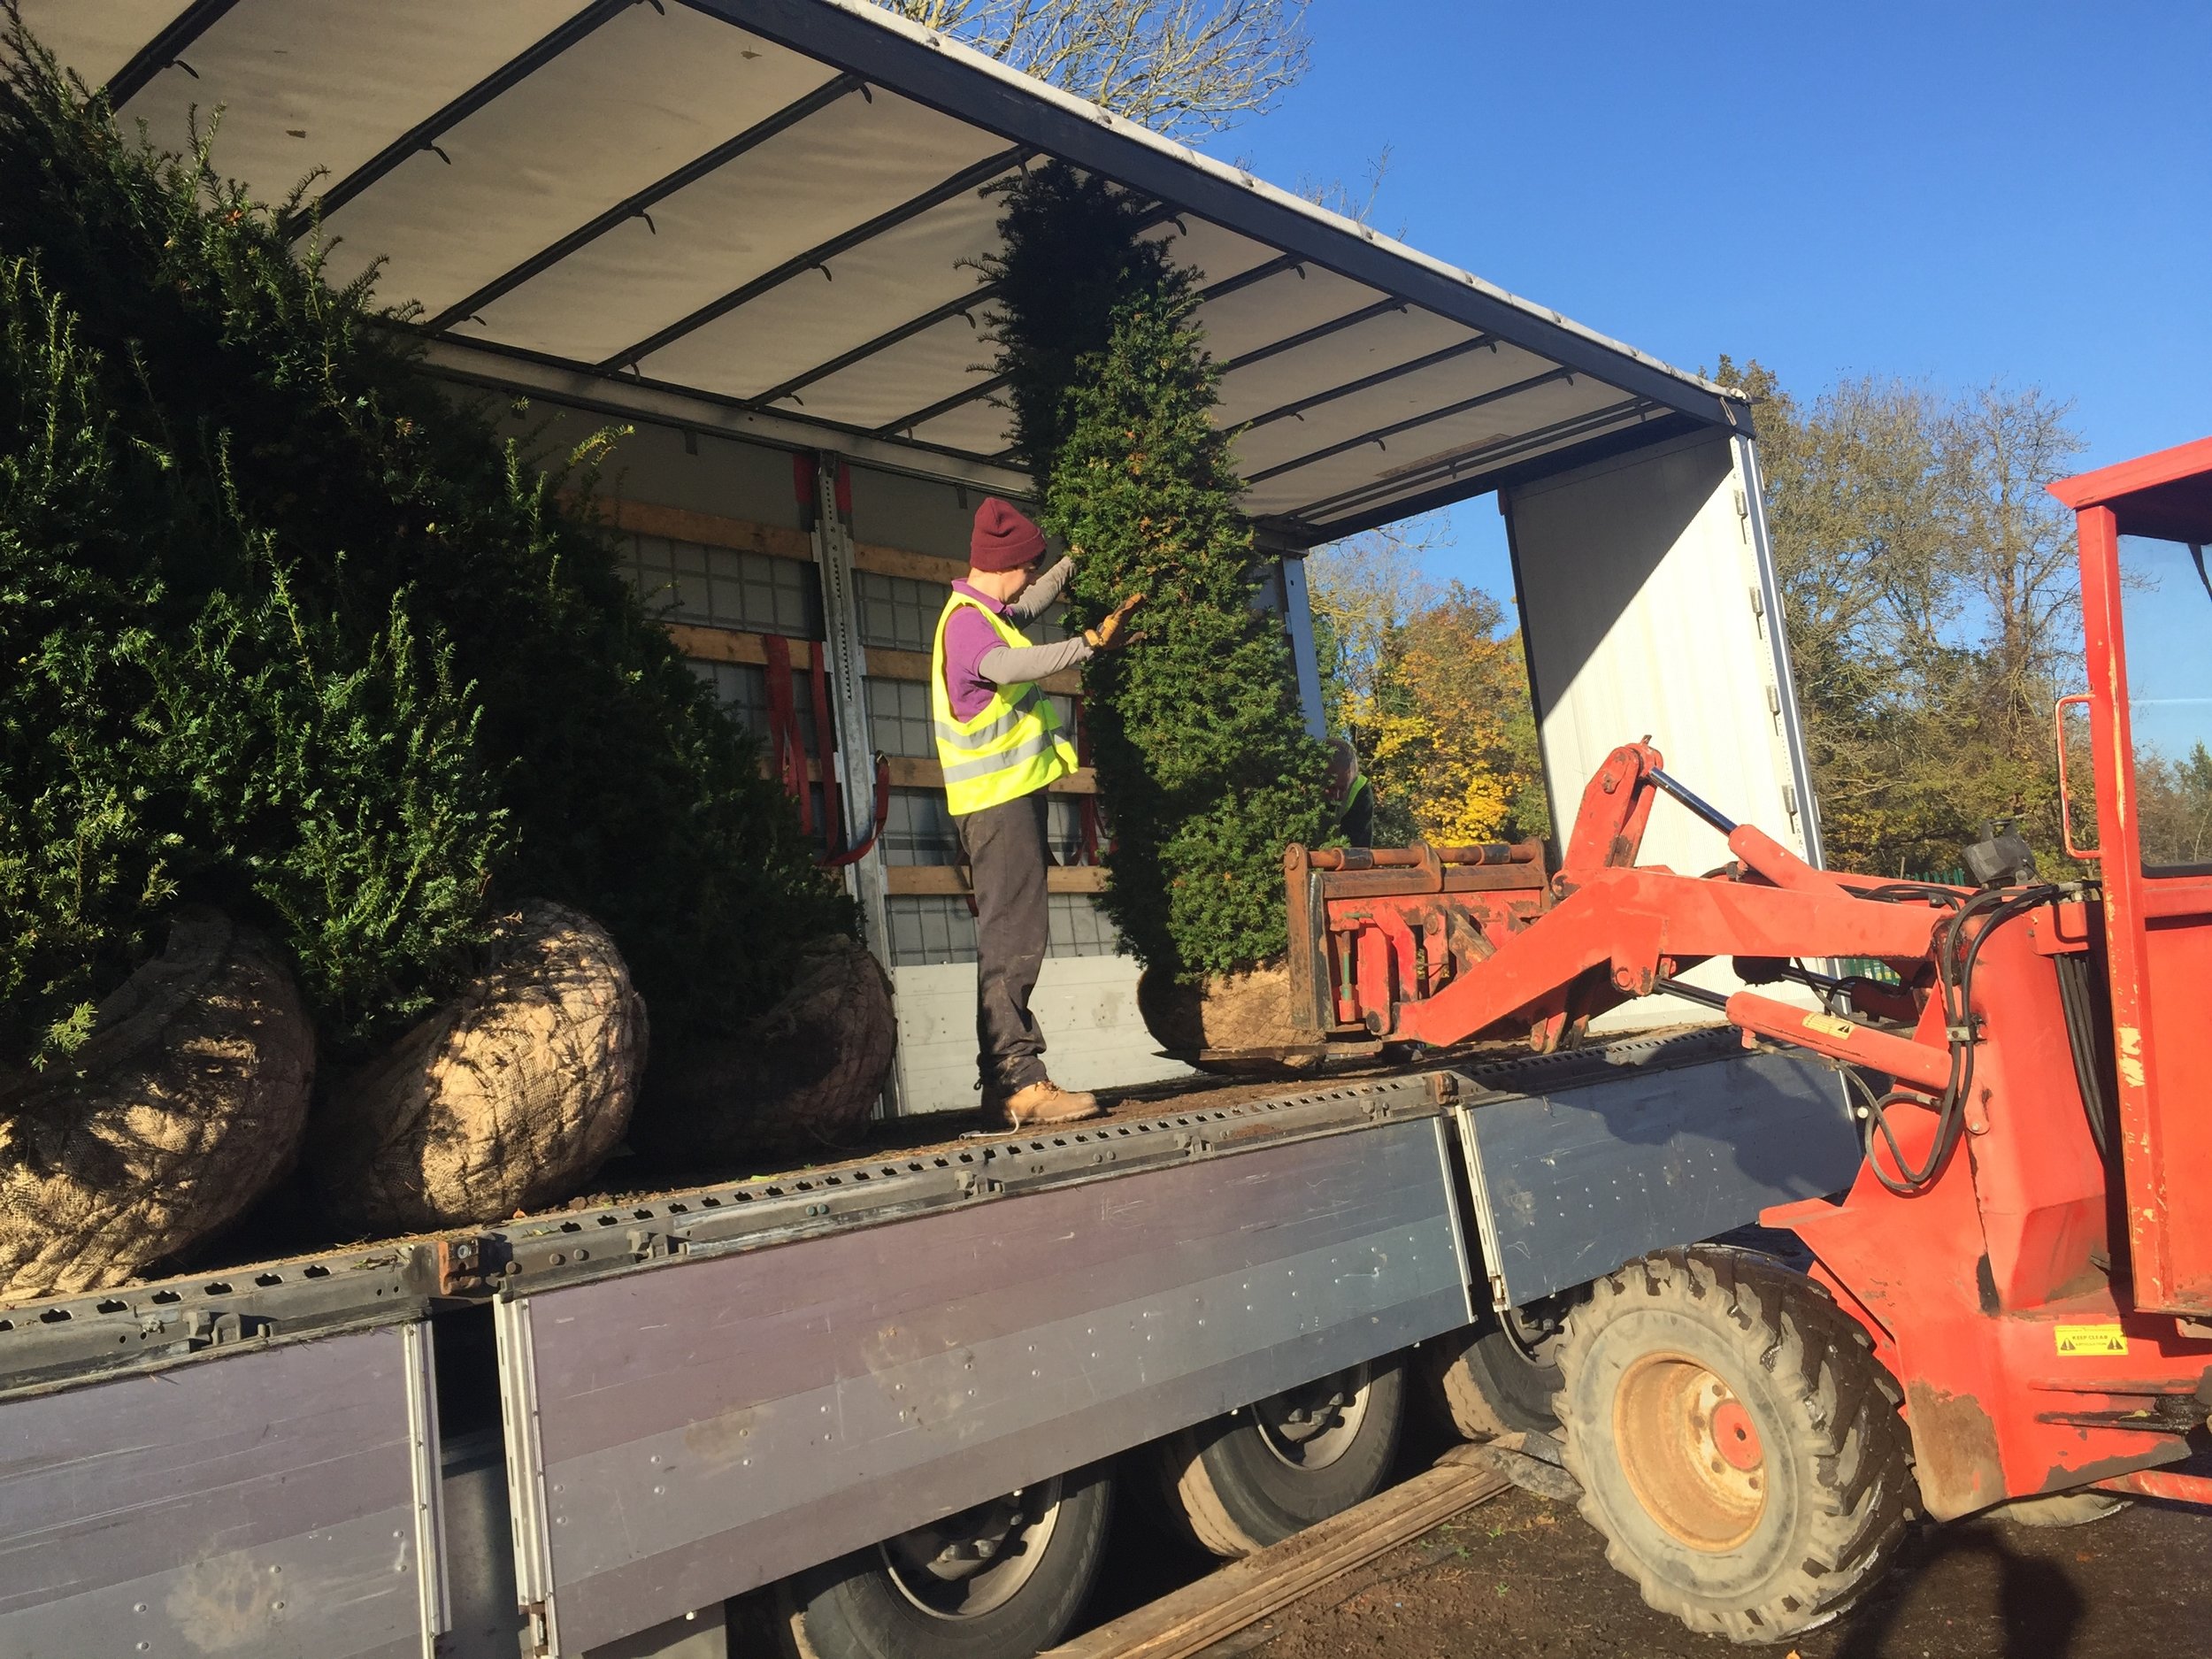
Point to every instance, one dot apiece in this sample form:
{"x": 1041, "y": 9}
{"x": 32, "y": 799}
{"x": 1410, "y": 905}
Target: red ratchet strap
{"x": 837, "y": 860}
{"x": 786, "y": 750}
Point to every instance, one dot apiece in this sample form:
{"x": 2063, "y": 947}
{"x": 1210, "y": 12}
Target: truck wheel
{"x": 1738, "y": 1444}
{"x": 1498, "y": 1375}
{"x": 1002, "y": 1580}
{"x": 1242, "y": 1482}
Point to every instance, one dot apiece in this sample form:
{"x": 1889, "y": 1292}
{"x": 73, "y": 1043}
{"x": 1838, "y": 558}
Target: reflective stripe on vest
{"x": 1013, "y": 747}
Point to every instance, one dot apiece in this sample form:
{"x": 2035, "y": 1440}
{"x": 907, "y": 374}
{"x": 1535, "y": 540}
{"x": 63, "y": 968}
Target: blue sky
{"x": 1949, "y": 192}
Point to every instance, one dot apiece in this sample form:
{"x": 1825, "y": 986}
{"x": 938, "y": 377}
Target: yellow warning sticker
{"x": 1829, "y": 1025}
{"x": 2078, "y": 1339}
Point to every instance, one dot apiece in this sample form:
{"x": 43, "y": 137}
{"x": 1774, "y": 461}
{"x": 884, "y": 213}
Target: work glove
{"x": 1113, "y": 628}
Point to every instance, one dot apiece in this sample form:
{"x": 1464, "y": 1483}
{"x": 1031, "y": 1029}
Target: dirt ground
{"x": 1522, "y": 1576}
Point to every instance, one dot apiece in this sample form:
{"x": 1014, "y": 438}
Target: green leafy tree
{"x": 1203, "y": 761}
{"x": 1434, "y": 698}
{"x": 291, "y": 632}
{"x": 1931, "y": 599}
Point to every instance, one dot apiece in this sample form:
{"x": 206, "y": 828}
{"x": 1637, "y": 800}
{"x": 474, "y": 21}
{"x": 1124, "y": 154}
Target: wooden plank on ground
{"x": 1244, "y": 1592}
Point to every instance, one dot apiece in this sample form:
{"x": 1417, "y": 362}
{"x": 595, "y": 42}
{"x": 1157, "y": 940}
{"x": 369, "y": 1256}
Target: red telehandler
{"x": 2013, "y": 1303}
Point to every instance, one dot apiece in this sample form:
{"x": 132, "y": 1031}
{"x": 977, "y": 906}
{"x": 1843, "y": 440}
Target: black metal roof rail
{"x": 1307, "y": 336}
{"x": 639, "y": 202}
{"x": 1380, "y": 433}
{"x": 926, "y": 67}
{"x": 1258, "y": 273}
{"x": 425, "y": 134}
{"x": 968, "y": 178}
{"x": 166, "y": 49}
{"x": 1367, "y": 383}
{"x": 966, "y": 305}
{"x": 1653, "y": 425}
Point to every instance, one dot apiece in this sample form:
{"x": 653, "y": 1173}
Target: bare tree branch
{"x": 1355, "y": 203}
{"x": 1182, "y": 67}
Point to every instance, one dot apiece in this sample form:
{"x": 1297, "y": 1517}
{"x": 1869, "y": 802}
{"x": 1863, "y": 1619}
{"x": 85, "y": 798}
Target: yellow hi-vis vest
{"x": 1012, "y": 748}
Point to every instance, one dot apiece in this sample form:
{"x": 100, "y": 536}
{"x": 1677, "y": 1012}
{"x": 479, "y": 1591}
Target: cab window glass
{"x": 2166, "y": 607}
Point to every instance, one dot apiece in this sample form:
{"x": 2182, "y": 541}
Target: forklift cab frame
{"x": 2145, "y": 532}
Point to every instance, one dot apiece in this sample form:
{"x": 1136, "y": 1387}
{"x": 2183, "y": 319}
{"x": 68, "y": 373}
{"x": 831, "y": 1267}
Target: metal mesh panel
{"x": 741, "y": 689}
{"x": 899, "y": 613}
{"x": 918, "y": 830}
{"x": 898, "y": 717}
{"x": 930, "y": 928}
{"x": 937, "y": 929}
{"x": 1063, "y": 826}
{"x": 728, "y": 587}
{"x": 1079, "y": 928}
{"x": 1048, "y": 629}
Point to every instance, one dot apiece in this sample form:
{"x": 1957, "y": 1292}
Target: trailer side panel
{"x": 1571, "y": 1182}
{"x": 712, "y": 1426}
{"x": 267, "y": 1502}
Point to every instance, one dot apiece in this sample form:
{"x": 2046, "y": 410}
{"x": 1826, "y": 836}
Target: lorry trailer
{"x": 901, "y": 1388}
{"x": 593, "y": 1426}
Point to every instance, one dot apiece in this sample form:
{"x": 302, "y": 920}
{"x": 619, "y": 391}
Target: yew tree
{"x": 288, "y": 629}
{"x": 1205, "y": 768}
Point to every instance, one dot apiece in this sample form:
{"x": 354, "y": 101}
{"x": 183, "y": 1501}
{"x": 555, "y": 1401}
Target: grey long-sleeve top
{"x": 1013, "y": 665}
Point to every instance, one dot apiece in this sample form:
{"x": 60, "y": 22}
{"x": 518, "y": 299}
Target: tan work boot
{"x": 1045, "y": 1102}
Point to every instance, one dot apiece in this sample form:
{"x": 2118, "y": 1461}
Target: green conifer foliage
{"x": 285, "y": 629}
{"x": 1205, "y": 765}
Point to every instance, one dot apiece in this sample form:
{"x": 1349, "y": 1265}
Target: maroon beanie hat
{"x": 1004, "y": 539}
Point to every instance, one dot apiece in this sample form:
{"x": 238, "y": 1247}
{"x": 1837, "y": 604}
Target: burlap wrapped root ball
{"x": 1228, "y": 1013}
{"x": 509, "y": 1097}
{"x": 800, "y": 1081}
{"x": 185, "y": 1105}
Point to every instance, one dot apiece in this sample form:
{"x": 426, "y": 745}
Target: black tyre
{"x": 1002, "y": 1580}
{"x": 1497, "y": 1375}
{"x": 1738, "y": 1444}
{"x": 1242, "y": 1482}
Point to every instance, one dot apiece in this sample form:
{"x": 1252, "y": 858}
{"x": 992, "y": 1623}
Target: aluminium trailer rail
{"x": 711, "y": 1389}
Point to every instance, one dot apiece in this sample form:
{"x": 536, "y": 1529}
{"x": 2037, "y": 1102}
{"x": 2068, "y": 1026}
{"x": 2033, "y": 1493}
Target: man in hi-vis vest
{"x": 1001, "y": 745}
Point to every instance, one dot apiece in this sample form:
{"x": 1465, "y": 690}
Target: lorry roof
{"x": 776, "y": 206}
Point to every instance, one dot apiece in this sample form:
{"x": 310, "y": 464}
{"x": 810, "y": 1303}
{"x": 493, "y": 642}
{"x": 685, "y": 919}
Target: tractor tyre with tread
{"x": 1738, "y": 1444}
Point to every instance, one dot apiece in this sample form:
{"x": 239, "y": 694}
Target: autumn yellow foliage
{"x": 1434, "y": 697}
{"x": 1457, "y": 746}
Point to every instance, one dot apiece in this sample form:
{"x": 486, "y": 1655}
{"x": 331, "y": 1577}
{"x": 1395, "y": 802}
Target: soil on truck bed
{"x": 1525, "y": 1577}
{"x": 290, "y": 1222}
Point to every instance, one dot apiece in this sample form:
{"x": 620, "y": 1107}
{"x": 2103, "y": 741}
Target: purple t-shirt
{"x": 969, "y": 638}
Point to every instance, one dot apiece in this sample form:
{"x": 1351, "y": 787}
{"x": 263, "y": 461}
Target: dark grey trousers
{"x": 1005, "y": 849}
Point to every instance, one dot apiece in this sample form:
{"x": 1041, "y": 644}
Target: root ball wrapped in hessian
{"x": 800, "y": 1081}
{"x": 184, "y": 1105}
{"x": 509, "y": 1097}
